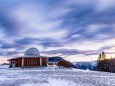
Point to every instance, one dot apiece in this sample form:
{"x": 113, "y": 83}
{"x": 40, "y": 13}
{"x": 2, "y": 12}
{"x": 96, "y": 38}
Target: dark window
{"x": 31, "y": 61}
{"x": 13, "y": 62}
{"x": 35, "y": 61}
{"x": 28, "y": 62}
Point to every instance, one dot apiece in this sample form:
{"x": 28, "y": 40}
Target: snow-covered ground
{"x": 54, "y": 77}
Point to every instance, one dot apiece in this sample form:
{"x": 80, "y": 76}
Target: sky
{"x": 77, "y": 30}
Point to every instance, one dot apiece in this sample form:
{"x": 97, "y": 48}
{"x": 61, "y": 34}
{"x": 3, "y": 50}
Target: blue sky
{"x": 74, "y": 29}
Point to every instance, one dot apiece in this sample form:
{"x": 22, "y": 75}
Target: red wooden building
{"x": 31, "y": 58}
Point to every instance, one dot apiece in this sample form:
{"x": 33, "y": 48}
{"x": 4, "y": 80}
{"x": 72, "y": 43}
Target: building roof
{"x": 55, "y": 59}
{"x": 27, "y": 57}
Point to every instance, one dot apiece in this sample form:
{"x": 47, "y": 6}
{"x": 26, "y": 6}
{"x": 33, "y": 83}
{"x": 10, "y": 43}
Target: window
{"x": 35, "y": 61}
{"x": 28, "y": 62}
{"x": 31, "y": 61}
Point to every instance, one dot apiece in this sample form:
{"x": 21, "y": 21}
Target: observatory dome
{"x": 32, "y": 52}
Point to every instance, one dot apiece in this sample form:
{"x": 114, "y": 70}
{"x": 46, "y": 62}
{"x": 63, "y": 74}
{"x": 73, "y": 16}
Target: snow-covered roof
{"x": 55, "y": 59}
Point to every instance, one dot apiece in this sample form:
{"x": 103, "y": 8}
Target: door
{"x": 44, "y": 61}
{"x": 13, "y": 64}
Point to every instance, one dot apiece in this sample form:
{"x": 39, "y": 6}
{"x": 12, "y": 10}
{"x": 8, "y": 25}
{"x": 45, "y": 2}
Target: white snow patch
{"x": 51, "y": 82}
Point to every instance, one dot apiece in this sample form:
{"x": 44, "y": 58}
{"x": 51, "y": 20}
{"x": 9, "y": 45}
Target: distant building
{"x": 31, "y": 58}
{"x": 53, "y": 61}
{"x": 58, "y": 61}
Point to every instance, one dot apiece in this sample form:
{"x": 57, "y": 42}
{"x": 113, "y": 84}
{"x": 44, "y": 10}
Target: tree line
{"x": 105, "y": 64}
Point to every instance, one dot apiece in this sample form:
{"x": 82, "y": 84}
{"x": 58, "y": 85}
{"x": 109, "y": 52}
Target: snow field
{"x": 54, "y": 77}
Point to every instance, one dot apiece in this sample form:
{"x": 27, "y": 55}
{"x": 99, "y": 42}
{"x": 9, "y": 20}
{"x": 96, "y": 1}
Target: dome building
{"x": 32, "y": 52}
{"x": 31, "y": 58}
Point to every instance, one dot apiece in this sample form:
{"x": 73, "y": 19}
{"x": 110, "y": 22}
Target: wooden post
{"x": 10, "y": 64}
{"x": 22, "y": 62}
{"x": 40, "y": 61}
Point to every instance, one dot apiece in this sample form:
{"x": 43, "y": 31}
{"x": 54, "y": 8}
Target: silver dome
{"x": 32, "y": 52}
